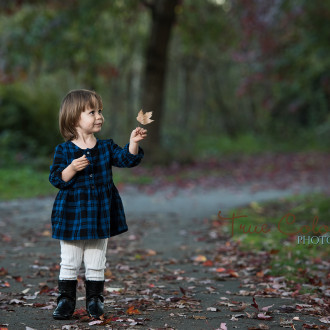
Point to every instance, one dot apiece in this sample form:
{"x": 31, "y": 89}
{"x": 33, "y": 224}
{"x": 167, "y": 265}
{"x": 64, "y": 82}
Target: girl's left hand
{"x": 138, "y": 134}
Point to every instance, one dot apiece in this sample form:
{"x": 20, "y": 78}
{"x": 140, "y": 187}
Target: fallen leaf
{"x": 114, "y": 289}
{"x": 3, "y": 271}
{"x": 310, "y": 326}
{"x": 259, "y": 327}
{"x": 45, "y": 289}
{"x": 238, "y": 308}
{"x": 183, "y": 290}
{"x": 265, "y": 309}
{"x": 6, "y": 238}
{"x": 220, "y": 270}
{"x": 144, "y": 118}
{"x": 95, "y": 322}
{"x": 222, "y": 326}
{"x": 208, "y": 263}
{"x": 197, "y": 317}
{"x": 262, "y": 316}
{"x": 16, "y": 302}
{"x": 211, "y": 309}
{"x": 18, "y": 278}
{"x": 232, "y": 273}
{"x": 200, "y": 258}
{"x": 80, "y": 312}
{"x": 287, "y": 309}
{"x": 132, "y": 310}
{"x": 31, "y": 297}
{"x": 108, "y": 273}
{"x": 5, "y": 285}
{"x": 255, "y": 305}
{"x": 325, "y": 319}
{"x": 260, "y": 274}
{"x": 38, "y": 305}
{"x": 47, "y": 307}
{"x": 151, "y": 252}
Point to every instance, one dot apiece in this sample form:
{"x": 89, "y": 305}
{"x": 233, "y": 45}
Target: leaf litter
{"x": 142, "y": 283}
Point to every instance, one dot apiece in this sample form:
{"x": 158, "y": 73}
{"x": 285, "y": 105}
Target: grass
{"x": 250, "y": 144}
{"x": 26, "y": 182}
{"x": 288, "y": 258}
{"x": 124, "y": 175}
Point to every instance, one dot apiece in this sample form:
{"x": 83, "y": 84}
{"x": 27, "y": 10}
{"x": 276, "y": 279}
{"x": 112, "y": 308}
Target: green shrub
{"x": 29, "y": 124}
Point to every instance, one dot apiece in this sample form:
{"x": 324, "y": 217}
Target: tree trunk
{"x": 153, "y": 86}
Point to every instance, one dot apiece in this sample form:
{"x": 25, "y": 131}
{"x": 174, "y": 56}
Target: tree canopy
{"x": 231, "y": 67}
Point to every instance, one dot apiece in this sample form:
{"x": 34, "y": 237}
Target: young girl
{"x": 87, "y": 209}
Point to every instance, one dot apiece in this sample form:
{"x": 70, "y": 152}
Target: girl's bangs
{"x": 95, "y": 102}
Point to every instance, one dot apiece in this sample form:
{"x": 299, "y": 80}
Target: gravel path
{"x": 153, "y": 261}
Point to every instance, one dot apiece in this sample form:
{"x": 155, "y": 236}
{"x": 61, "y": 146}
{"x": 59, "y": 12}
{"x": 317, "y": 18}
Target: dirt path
{"x": 154, "y": 264}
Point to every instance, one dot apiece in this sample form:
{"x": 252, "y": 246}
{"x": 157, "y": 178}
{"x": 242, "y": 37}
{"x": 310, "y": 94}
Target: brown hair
{"x": 73, "y": 104}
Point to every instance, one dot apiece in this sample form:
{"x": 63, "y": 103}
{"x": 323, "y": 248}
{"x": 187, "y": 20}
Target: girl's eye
{"x": 100, "y": 112}
{"x": 92, "y": 112}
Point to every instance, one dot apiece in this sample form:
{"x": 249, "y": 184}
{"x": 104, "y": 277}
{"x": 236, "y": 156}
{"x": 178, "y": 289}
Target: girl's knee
{"x": 68, "y": 272}
{"x": 93, "y": 274}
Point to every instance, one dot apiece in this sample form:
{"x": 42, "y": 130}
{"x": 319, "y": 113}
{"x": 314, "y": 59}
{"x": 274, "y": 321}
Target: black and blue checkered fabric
{"x": 89, "y": 205}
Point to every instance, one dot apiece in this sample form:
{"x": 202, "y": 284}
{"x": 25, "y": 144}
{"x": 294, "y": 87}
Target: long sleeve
{"x": 121, "y": 157}
{"x": 59, "y": 164}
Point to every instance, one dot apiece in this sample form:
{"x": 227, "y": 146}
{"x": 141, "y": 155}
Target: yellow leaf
{"x": 197, "y": 317}
{"x": 144, "y": 118}
{"x": 200, "y": 258}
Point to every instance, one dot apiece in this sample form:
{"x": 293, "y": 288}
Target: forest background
{"x": 221, "y": 77}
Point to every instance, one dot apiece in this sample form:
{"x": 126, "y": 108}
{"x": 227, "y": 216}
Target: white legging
{"x": 94, "y": 253}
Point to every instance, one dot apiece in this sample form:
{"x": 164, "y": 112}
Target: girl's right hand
{"x": 80, "y": 163}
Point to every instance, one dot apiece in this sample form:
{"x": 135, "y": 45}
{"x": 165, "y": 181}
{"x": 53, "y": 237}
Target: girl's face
{"x": 90, "y": 121}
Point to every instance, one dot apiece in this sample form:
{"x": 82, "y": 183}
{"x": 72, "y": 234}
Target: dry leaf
{"x": 325, "y": 319}
{"x": 3, "y": 271}
{"x": 114, "y": 289}
{"x": 199, "y": 258}
{"x": 95, "y": 322}
{"x": 262, "y": 316}
{"x": 198, "y": 317}
{"x": 131, "y": 310}
{"x": 18, "y": 278}
{"x": 144, "y": 118}
{"x": 223, "y": 326}
{"x": 220, "y": 270}
{"x": 260, "y": 326}
{"x": 108, "y": 273}
{"x": 266, "y": 308}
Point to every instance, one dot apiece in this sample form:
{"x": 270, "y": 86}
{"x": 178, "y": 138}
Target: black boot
{"x": 94, "y": 298}
{"x": 66, "y": 302}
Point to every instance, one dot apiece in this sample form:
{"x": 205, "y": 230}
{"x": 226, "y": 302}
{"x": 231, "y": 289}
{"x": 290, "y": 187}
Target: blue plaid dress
{"x": 89, "y": 206}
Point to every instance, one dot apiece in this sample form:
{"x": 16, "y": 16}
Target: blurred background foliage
{"x": 242, "y": 76}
